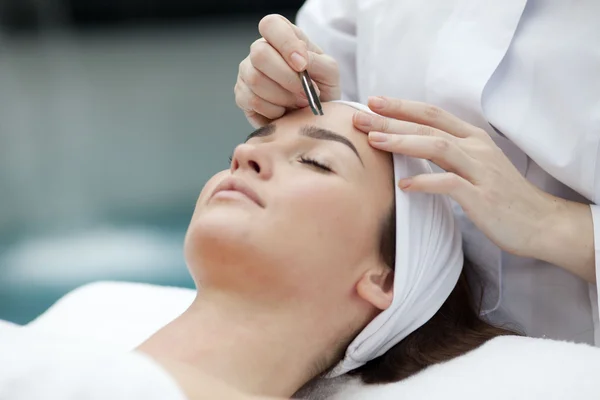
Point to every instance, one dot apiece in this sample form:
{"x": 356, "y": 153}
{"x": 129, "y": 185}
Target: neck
{"x": 255, "y": 349}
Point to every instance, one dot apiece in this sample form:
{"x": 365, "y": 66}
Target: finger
{"x": 299, "y": 33}
{"x": 324, "y": 71}
{"x": 267, "y": 60}
{"x": 425, "y": 114}
{"x": 279, "y": 33}
{"x": 256, "y": 120}
{"x": 445, "y": 153}
{"x": 323, "y": 68}
{"x": 461, "y": 190}
{"x": 302, "y": 36}
{"x": 367, "y": 122}
{"x": 249, "y": 101}
{"x": 268, "y": 89}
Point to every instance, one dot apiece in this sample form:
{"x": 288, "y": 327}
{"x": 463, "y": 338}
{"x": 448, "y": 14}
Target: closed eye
{"x": 315, "y": 163}
{"x": 305, "y": 160}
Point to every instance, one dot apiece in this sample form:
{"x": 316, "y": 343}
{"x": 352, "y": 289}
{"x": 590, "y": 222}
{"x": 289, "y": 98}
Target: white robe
{"x": 35, "y": 365}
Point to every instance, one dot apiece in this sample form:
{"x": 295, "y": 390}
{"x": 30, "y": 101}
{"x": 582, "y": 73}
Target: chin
{"x": 219, "y": 237}
{"x": 236, "y": 255}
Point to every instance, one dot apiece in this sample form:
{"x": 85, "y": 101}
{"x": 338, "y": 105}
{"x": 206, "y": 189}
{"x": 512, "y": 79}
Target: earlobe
{"x": 376, "y": 287}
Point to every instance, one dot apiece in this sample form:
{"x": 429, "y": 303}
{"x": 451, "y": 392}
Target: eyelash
{"x": 315, "y": 163}
{"x": 305, "y": 160}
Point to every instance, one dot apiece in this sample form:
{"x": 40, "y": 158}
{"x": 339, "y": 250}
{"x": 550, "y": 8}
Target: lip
{"x": 237, "y": 185}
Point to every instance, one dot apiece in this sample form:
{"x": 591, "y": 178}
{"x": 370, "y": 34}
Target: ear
{"x": 376, "y": 286}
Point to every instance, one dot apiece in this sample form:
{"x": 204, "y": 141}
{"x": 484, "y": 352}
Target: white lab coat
{"x": 34, "y": 365}
{"x": 526, "y": 71}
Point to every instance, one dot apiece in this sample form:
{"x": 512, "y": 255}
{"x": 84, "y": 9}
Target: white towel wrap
{"x": 429, "y": 260}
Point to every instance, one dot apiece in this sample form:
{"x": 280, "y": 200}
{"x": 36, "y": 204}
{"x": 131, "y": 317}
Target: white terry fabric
{"x": 429, "y": 260}
{"x": 503, "y": 368}
{"x": 119, "y": 314}
{"x": 42, "y": 366}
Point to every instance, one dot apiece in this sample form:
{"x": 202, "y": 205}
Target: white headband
{"x": 429, "y": 260}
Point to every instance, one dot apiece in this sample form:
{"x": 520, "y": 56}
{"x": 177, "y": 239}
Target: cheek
{"x": 331, "y": 222}
{"x": 329, "y": 207}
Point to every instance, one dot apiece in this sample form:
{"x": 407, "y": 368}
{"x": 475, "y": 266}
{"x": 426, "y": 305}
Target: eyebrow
{"x": 310, "y": 131}
{"x": 262, "y": 131}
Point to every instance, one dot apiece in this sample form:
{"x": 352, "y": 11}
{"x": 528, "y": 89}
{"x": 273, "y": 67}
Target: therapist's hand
{"x": 268, "y": 84}
{"x": 517, "y": 216}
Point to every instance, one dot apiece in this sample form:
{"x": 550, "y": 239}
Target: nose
{"x": 253, "y": 159}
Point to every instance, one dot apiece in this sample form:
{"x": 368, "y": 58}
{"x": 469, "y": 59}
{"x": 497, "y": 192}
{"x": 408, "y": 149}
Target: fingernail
{"x": 298, "y": 61}
{"x": 377, "y": 102}
{"x": 404, "y": 183}
{"x": 378, "y": 137}
{"x": 363, "y": 119}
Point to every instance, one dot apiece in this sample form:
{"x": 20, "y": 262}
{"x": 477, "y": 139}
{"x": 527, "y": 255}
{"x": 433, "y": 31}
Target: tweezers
{"x": 311, "y": 93}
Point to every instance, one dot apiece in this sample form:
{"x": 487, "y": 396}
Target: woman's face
{"x": 299, "y": 213}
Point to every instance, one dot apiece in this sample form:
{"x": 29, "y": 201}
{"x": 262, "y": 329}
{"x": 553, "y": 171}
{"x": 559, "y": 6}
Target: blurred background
{"x": 113, "y": 114}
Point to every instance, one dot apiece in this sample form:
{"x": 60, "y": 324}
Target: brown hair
{"x": 453, "y": 331}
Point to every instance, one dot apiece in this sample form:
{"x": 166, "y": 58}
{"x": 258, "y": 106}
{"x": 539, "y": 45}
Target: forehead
{"x": 338, "y": 118}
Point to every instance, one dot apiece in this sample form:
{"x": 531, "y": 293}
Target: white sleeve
{"x": 33, "y": 367}
{"x": 594, "y": 288}
{"x": 596, "y": 222}
{"x": 331, "y": 24}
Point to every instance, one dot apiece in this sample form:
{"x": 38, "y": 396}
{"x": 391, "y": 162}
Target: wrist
{"x": 566, "y": 237}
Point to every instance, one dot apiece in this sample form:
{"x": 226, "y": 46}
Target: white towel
{"x": 504, "y": 368}
{"x": 120, "y": 314}
{"x": 428, "y": 261}
{"x": 34, "y": 365}
{"x": 125, "y": 314}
